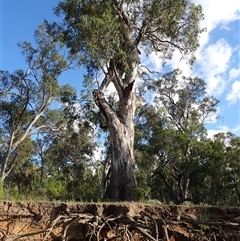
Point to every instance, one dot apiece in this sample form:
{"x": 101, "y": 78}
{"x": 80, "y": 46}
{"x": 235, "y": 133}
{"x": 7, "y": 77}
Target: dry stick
{"x": 68, "y": 225}
{"x": 207, "y": 222}
{"x": 103, "y": 225}
{"x": 12, "y": 216}
{"x": 98, "y": 233}
{"x": 26, "y": 235}
{"x": 144, "y": 233}
{"x": 128, "y": 233}
{"x": 93, "y": 226}
{"x": 141, "y": 230}
{"x": 55, "y": 222}
{"x": 3, "y": 232}
{"x": 166, "y": 232}
{"x": 214, "y": 236}
{"x": 122, "y": 230}
{"x": 106, "y": 222}
{"x": 132, "y": 221}
{"x": 66, "y": 218}
{"x": 156, "y": 226}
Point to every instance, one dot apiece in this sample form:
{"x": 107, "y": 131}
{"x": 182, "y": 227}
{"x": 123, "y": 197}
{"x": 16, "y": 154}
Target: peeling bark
{"x": 122, "y": 181}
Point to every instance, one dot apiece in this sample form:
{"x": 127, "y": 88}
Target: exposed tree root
{"x": 125, "y": 227}
{"x": 121, "y": 223}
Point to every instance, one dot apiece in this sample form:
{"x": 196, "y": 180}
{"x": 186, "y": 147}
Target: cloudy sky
{"x": 218, "y": 58}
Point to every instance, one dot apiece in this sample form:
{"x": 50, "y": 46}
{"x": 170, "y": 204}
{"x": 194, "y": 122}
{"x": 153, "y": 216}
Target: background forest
{"x": 54, "y": 144}
{"x": 50, "y": 142}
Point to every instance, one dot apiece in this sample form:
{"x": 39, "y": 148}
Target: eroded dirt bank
{"x": 116, "y": 221}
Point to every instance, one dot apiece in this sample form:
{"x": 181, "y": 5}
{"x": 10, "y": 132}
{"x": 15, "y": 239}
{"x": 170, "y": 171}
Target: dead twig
{"x": 156, "y": 226}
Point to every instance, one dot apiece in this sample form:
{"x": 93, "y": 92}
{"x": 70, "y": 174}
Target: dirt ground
{"x": 117, "y": 222}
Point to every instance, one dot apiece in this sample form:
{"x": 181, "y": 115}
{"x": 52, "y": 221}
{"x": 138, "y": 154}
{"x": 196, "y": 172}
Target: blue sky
{"x": 218, "y": 58}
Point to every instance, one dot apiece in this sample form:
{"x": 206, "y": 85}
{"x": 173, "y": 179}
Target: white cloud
{"x": 236, "y": 129}
{"x": 111, "y": 89}
{"x": 216, "y": 57}
{"x": 217, "y": 13}
{"x": 213, "y": 62}
{"x": 221, "y": 129}
{"x": 178, "y": 63}
{"x": 152, "y": 61}
{"x": 234, "y": 95}
{"x": 234, "y": 73}
{"x": 211, "y": 133}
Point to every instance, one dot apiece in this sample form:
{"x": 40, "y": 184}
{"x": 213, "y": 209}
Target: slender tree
{"x": 25, "y": 97}
{"x": 109, "y": 36}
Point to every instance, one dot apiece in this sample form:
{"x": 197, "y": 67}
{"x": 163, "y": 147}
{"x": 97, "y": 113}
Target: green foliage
{"x": 143, "y": 188}
{"x": 212, "y": 164}
{"x": 107, "y": 36}
{"x": 26, "y": 98}
{"x": 68, "y": 94}
{"x": 55, "y": 190}
{"x": 172, "y": 21}
{"x": 172, "y": 140}
{"x": 58, "y": 168}
{"x": 2, "y": 196}
{"x": 96, "y": 31}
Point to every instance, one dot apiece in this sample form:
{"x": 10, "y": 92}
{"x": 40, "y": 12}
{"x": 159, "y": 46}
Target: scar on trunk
{"x": 128, "y": 89}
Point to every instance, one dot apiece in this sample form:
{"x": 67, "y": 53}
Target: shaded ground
{"x": 116, "y": 221}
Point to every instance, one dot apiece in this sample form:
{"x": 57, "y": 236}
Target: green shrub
{"x": 1, "y": 190}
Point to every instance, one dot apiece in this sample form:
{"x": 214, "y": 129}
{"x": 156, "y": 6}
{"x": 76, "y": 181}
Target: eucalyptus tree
{"x": 172, "y": 138}
{"x": 67, "y": 166}
{"x": 233, "y": 167}
{"x": 26, "y": 97}
{"x": 108, "y": 37}
{"x": 222, "y": 176}
{"x": 58, "y": 163}
{"x": 187, "y": 106}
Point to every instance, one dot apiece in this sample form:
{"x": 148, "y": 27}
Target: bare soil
{"x": 116, "y": 222}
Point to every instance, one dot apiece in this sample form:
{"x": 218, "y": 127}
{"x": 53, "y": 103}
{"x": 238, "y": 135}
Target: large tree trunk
{"x": 121, "y": 126}
{"x": 123, "y": 73}
{"x": 122, "y": 183}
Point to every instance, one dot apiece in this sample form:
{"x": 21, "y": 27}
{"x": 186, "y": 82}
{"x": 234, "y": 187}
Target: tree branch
{"x": 105, "y": 109}
{"x": 105, "y": 83}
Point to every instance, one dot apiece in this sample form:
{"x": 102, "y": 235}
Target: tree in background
{"x": 69, "y": 172}
{"x": 172, "y": 137}
{"x": 26, "y": 97}
{"x": 233, "y": 168}
{"x": 218, "y": 184}
{"x": 59, "y": 163}
{"x": 109, "y": 36}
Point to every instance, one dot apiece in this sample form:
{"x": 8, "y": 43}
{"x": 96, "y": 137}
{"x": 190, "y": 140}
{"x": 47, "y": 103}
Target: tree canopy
{"x": 109, "y": 36}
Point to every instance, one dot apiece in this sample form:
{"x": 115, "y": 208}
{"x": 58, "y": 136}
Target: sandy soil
{"x": 116, "y": 221}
